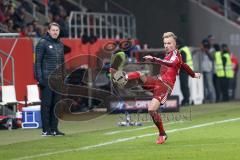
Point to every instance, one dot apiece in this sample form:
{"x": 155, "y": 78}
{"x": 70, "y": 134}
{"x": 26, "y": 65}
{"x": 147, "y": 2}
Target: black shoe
{"x": 46, "y": 133}
{"x": 58, "y": 133}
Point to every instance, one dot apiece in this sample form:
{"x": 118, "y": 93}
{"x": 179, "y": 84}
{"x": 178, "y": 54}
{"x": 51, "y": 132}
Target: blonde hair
{"x": 169, "y": 34}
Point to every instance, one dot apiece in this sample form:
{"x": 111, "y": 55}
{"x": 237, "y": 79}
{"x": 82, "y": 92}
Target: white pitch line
{"x": 125, "y": 139}
{"x": 136, "y": 129}
{"x": 128, "y": 130}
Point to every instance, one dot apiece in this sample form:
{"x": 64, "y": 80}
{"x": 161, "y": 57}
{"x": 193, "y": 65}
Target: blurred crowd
{"x": 219, "y": 67}
{"x": 14, "y": 18}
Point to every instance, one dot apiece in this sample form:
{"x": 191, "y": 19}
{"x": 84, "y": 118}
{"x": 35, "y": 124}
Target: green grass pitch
{"x": 209, "y": 131}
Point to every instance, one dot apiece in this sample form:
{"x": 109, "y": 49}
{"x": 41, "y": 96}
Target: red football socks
{"x": 133, "y": 75}
{"x": 157, "y": 121}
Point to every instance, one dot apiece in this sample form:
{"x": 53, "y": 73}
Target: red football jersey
{"x": 170, "y": 67}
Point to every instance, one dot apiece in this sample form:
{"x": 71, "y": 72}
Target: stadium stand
{"x": 230, "y": 8}
{"x": 29, "y": 18}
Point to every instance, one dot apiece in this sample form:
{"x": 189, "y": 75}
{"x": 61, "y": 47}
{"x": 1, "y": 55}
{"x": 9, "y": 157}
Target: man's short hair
{"x": 169, "y": 34}
{"x": 53, "y": 24}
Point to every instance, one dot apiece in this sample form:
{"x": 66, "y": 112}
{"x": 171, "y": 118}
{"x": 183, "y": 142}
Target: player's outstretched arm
{"x": 158, "y": 60}
{"x": 190, "y": 71}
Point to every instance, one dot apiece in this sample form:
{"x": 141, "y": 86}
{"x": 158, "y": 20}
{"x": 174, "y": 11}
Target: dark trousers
{"x": 225, "y": 87}
{"x": 183, "y": 76}
{"x": 234, "y": 85}
{"x": 48, "y": 100}
{"x": 218, "y": 84}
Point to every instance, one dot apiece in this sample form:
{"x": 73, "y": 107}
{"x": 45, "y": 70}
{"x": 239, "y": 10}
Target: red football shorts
{"x": 158, "y": 88}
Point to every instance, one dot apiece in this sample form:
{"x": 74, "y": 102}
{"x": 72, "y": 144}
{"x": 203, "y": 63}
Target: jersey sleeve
{"x": 187, "y": 69}
{"x": 174, "y": 60}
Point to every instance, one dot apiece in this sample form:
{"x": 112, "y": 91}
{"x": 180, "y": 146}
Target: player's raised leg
{"x": 136, "y": 75}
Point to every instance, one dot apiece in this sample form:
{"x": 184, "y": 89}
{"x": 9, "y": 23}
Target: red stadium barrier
{"x": 23, "y": 54}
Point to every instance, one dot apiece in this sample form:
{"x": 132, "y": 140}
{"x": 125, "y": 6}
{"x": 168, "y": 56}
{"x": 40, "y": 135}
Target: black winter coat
{"x": 49, "y": 56}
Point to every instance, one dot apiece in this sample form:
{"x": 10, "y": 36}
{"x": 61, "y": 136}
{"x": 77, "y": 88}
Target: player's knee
{"x": 151, "y": 109}
{"x": 152, "y": 113}
{"x": 143, "y": 78}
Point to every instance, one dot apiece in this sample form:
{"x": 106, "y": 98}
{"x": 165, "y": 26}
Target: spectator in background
{"x": 2, "y": 16}
{"x": 21, "y": 31}
{"x": 211, "y": 39}
{"x": 227, "y": 65}
{"x": 27, "y": 5}
{"x": 183, "y": 76}
{"x": 30, "y": 30}
{"x": 63, "y": 12}
{"x": 19, "y": 18}
{"x": 235, "y": 69}
{"x": 208, "y": 70}
{"x": 219, "y": 74}
{"x": 55, "y": 7}
{"x": 40, "y": 31}
{"x": 10, "y": 25}
{"x": 9, "y": 11}
{"x": 2, "y": 5}
{"x": 35, "y": 24}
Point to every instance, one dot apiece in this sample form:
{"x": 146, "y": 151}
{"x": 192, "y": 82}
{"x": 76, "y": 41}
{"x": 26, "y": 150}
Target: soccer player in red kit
{"x": 162, "y": 85}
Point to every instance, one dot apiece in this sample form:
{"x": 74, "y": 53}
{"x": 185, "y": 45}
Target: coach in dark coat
{"x": 49, "y": 56}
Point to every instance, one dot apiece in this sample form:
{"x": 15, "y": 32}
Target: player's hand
{"x": 197, "y": 75}
{"x": 148, "y": 57}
